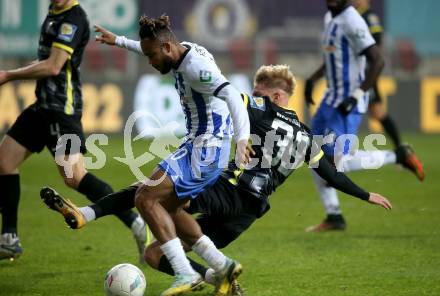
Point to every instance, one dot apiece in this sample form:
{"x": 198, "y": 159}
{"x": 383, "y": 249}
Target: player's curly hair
{"x": 153, "y": 29}
{"x": 276, "y": 76}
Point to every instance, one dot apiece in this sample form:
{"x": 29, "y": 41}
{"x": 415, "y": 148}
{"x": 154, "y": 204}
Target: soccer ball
{"x": 125, "y": 280}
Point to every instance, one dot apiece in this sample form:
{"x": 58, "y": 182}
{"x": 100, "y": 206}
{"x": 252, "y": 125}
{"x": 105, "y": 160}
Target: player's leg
{"x": 355, "y": 159}
{"x": 403, "y": 155}
{"x": 225, "y": 268}
{"x": 223, "y": 216}
{"x": 376, "y": 111}
{"x": 221, "y": 230}
{"x": 12, "y": 154}
{"x": 229, "y": 217}
{"x": 334, "y": 219}
{"x": 157, "y": 260}
{"x": 77, "y": 217}
{"x": 325, "y": 122}
{"x": 23, "y": 138}
{"x": 74, "y": 173}
{"x": 112, "y": 204}
{"x": 149, "y": 201}
{"x": 187, "y": 174}
{"x": 89, "y": 185}
{"x": 66, "y": 142}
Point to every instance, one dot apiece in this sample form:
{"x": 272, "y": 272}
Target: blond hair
{"x": 276, "y": 76}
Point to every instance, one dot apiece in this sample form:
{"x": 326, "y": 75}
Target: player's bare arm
{"x": 49, "y": 67}
{"x": 375, "y": 66}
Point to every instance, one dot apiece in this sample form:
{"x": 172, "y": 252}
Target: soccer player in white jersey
{"x": 347, "y": 45}
{"x": 210, "y": 104}
{"x": 209, "y": 101}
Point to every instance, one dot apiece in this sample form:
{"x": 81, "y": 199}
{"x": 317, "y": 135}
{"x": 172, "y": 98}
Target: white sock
{"x": 137, "y": 224}
{"x": 88, "y": 213}
{"x": 210, "y": 276}
{"x": 206, "y": 249}
{"x": 174, "y": 252}
{"x": 328, "y": 195}
{"x": 367, "y": 160}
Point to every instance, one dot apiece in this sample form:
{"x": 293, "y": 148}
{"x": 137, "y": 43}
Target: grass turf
{"x": 380, "y": 253}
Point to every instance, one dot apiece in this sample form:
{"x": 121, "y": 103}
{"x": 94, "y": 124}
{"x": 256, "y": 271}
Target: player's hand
{"x": 308, "y": 90}
{"x": 347, "y": 106}
{"x": 106, "y": 36}
{"x": 3, "y": 77}
{"x": 249, "y": 152}
{"x": 350, "y": 103}
{"x": 242, "y": 154}
{"x": 379, "y": 200}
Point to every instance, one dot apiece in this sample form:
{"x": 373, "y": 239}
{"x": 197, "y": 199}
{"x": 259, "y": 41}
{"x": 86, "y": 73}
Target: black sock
{"x": 337, "y": 218}
{"x": 198, "y": 267}
{"x": 10, "y": 197}
{"x": 391, "y": 129}
{"x": 95, "y": 189}
{"x": 165, "y": 266}
{"x": 115, "y": 202}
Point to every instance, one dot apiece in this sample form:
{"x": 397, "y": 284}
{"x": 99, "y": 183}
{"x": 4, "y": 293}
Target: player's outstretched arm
{"x": 106, "y": 36}
{"x": 40, "y": 69}
{"x": 109, "y": 38}
{"x": 342, "y": 183}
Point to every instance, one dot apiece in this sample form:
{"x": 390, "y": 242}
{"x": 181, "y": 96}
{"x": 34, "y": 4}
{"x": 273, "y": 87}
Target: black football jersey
{"x": 68, "y": 30}
{"x": 374, "y": 25}
{"x": 281, "y": 143}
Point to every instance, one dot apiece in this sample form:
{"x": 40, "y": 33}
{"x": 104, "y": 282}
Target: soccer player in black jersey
{"x": 281, "y": 143}
{"x": 376, "y": 108}
{"x": 56, "y": 112}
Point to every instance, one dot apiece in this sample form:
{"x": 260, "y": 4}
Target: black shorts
{"x": 225, "y": 212}
{"x": 36, "y": 128}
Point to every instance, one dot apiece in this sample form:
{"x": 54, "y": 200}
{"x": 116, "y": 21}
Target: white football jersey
{"x": 345, "y": 37}
{"x": 198, "y": 81}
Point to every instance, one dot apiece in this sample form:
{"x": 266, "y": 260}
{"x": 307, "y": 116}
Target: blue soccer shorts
{"x": 193, "y": 167}
{"x": 328, "y": 120}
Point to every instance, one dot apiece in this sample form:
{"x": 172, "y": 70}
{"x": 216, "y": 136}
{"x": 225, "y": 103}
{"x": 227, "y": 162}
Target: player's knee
{"x": 71, "y": 182}
{"x": 152, "y": 255}
{"x": 143, "y": 198}
{"x": 73, "y": 178}
{"x": 6, "y": 168}
{"x": 377, "y": 112}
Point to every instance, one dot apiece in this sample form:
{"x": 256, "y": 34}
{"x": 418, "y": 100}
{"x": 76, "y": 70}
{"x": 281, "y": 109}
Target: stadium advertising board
{"x": 108, "y": 104}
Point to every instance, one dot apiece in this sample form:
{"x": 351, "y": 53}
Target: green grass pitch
{"x": 380, "y": 253}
